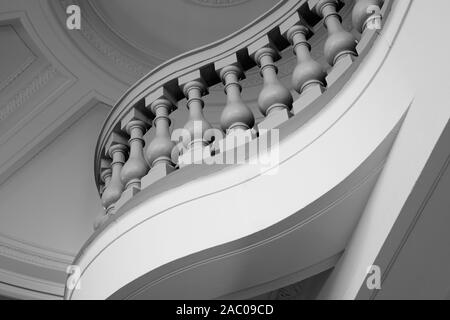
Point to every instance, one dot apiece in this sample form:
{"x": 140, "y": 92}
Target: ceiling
{"x": 166, "y": 28}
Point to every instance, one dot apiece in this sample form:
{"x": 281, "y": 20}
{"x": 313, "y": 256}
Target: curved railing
{"x": 125, "y": 164}
{"x": 154, "y": 242}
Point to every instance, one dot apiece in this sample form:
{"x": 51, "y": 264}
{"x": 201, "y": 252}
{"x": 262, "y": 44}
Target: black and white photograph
{"x": 231, "y": 157}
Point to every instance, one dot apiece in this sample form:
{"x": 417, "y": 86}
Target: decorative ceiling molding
{"x": 25, "y": 287}
{"x": 111, "y": 50}
{"x": 17, "y": 73}
{"x": 152, "y": 56}
{"x": 27, "y": 93}
{"x": 219, "y": 3}
{"x": 19, "y": 49}
{"x": 112, "y": 53}
{"x": 33, "y": 254}
{"x": 32, "y": 258}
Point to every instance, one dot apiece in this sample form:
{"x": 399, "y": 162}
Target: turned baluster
{"x": 105, "y": 177}
{"x": 136, "y": 167}
{"x": 197, "y": 125}
{"x": 159, "y": 151}
{"x": 340, "y": 43}
{"x": 366, "y": 15}
{"x": 274, "y": 96}
{"x": 113, "y": 191}
{"x": 236, "y": 116}
{"x": 308, "y": 71}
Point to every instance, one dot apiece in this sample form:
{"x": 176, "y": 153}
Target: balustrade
{"x": 122, "y": 178}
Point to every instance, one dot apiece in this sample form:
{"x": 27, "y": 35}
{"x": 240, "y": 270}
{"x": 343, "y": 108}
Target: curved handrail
{"x": 190, "y": 61}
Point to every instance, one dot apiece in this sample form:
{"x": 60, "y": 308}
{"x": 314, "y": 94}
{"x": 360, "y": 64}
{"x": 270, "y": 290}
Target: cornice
{"x": 33, "y": 254}
{"x": 20, "y": 286}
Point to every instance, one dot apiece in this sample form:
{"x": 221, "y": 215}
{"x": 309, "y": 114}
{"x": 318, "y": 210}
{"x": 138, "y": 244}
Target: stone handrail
{"x": 124, "y": 165}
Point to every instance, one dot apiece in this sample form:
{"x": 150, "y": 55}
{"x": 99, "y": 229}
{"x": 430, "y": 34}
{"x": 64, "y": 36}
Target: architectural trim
{"x": 17, "y": 73}
{"x": 154, "y": 57}
{"x": 26, "y": 94}
{"x": 25, "y": 287}
{"x": 111, "y": 51}
{"x": 33, "y": 254}
{"x": 411, "y": 226}
{"x": 286, "y": 281}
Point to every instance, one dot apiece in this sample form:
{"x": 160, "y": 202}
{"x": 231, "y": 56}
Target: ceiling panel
{"x": 15, "y": 56}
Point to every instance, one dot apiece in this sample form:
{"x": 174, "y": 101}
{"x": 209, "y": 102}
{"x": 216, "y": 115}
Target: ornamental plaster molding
{"x": 28, "y": 92}
{"x": 32, "y": 254}
{"x": 111, "y": 52}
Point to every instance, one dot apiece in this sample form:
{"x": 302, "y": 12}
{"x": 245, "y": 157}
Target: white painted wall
{"x": 52, "y": 200}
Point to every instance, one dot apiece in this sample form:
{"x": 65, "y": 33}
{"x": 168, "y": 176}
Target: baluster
{"x": 159, "y": 152}
{"x": 136, "y": 167}
{"x": 236, "y": 116}
{"x": 197, "y": 124}
{"x": 309, "y": 76}
{"x": 274, "y": 100}
{"x": 194, "y": 88}
{"x": 237, "y": 120}
{"x": 135, "y": 124}
{"x": 117, "y": 150}
{"x": 105, "y": 177}
{"x": 307, "y": 72}
{"x": 340, "y": 43}
{"x": 105, "y": 174}
{"x": 366, "y": 15}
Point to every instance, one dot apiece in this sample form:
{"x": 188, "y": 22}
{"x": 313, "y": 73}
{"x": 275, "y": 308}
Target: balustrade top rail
{"x": 123, "y": 166}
